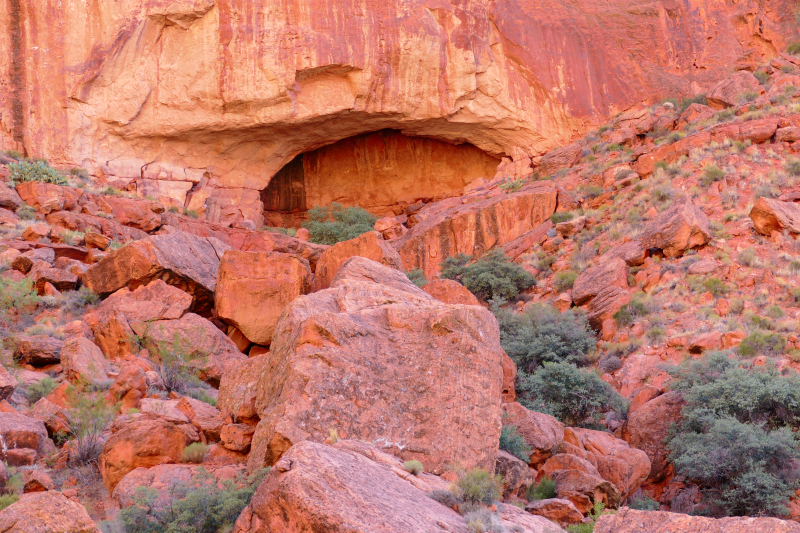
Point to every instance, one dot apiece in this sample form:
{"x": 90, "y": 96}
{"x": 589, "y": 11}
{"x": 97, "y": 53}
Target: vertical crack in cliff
{"x": 17, "y": 72}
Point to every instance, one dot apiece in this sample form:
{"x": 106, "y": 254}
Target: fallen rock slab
{"x": 631, "y": 521}
{"x": 770, "y": 215}
{"x": 682, "y": 226}
{"x": 46, "y": 512}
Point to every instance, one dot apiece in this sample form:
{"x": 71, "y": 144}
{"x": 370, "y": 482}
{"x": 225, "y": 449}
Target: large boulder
{"x": 83, "y": 361}
{"x": 364, "y": 490}
{"x": 370, "y": 245}
{"x": 584, "y": 490}
{"x": 377, "y": 359}
{"x": 38, "y": 350}
{"x": 139, "y": 442}
{"x": 46, "y": 512}
{"x": 593, "y": 280}
{"x": 631, "y": 521}
{"x": 473, "y": 228}
{"x": 237, "y": 389}
{"x": 450, "y": 292}
{"x": 180, "y": 259}
{"x": 48, "y": 197}
{"x": 197, "y": 340}
{"x": 728, "y": 92}
{"x": 647, "y": 428}
{"x": 23, "y": 438}
{"x": 770, "y": 215}
{"x": 253, "y": 288}
{"x": 116, "y": 318}
{"x": 682, "y": 226}
{"x": 543, "y": 433}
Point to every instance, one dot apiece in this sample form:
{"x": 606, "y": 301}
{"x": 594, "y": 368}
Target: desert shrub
{"x": 19, "y": 295}
{"x": 711, "y": 173}
{"x": 336, "y": 223}
{"x": 417, "y": 277}
{"x": 512, "y": 185}
{"x": 634, "y": 310}
{"x": 588, "y": 527}
{"x": 8, "y": 499}
{"x": 543, "y": 334}
{"x": 775, "y": 312}
{"x": 199, "y": 393}
{"x": 571, "y": 394}
{"x": 445, "y": 497}
{"x": 564, "y": 280}
{"x": 644, "y": 503}
{"x": 89, "y": 416}
{"x": 761, "y": 343}
{"x": 172, "y": 360}
{"x": 492, "y": 276}
{"x": 414, "y": 467}
{"x": 716, "y": 286}
{"x": 747, "y": 257}
{"x": 479, "y": 486}
{"x": 609, "y": 363}
{"x": 191, "y": 213}
{"x": 39, "y": 390}
{"x": 592, "y": 191}
{"x": 194, "y": 453}
{"x": 562, "y": 216}
{"x": 793, "y": 48}
{"x": 762, "y": 76}
{"x": 793, "y": 166}
{"x": 514, "y": 443}
{"x": 655, "y": 334}
{"x": 482, "y": 520}
{"x": 26, "y": 212}
{"x": 736, "y": 438}
{"x": 202, "y": 505}
{"x": 35, "y": 171}
{"x": 545, "y": 489}
{"x": 75, "y": 301}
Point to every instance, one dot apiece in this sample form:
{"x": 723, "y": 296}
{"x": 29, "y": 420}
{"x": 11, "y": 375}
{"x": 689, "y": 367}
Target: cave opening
{"x": 383, "y": 172}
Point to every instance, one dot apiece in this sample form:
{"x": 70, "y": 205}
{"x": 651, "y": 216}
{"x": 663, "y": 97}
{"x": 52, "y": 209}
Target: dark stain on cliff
{"x": 17, "y": 71}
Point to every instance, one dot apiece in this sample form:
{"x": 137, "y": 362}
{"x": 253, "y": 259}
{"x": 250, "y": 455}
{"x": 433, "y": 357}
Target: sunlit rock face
{"x": 204, "y": 101}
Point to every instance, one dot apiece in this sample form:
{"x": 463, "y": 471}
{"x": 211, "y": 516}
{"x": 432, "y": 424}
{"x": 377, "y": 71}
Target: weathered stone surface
{"x": 141, "y": 442}
{"x": 369, "y": 341}
{"x": 86, "y": 223}
{"x": 770, "y": 215}
{"x": 543, "y": 433}
{"x": 237, "y": 389}
{"x": 584, "y": 490}
{"x": 517, "y": 476}
{"x": 593, "y": 280}
{"x": 556, "y": 509}
{"x": 606, "y": 302}
{"x": 38, "y": 350}
{"x": 562, "y": 157}
{"x": 647, "y": 427}
{"x": 728, "y": 92}
{"x": 23, "y": 433}
{"x": 474, "y": 228}
{"x": 370, "y": 245}
{"x": 46, "y": 512}
{"x": 62, "y": 280}
{"x": 47, "y": 197}
{"x": 210, "y": 352}
{"x": 53, "y": 416}
{"x": 8, "y": 384}
{"x": 180, "y": 259}
{"x": 36, "y": 480}
{"x": 354, "y": 498}
{"x": 203, "y": 416}
{"x": 9, "y": 199}
{"x": 631, "y": 521}
{"x": 253, "y": 288}
{"x": 25, "y": 261}
{"x": 114, "y": 320}
{"x": 450, "y": 292}
{"x": 682, "y": 226}
{"x": 237, "y": 437}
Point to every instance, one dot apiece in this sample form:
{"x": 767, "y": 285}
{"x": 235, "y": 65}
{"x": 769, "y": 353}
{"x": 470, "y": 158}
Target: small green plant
{"x": 545, "y": 489}
{"x": 630, "y": 312}
{"x": 414, "y": 467}
{"x": 793, "y": 166}
{"x": 747, "y": 257}
{"x": 35, "y": 171}
{"x": 644, "y": 503}
{"x": 445, "y": 497}
{"x": 793, "y": 48}
{"x": 592, "y": 191}
{"x": 774, "y": 312}
{"x": 762, "y": 76}
{"x": 711, "y": 173}
{"x": 716, "y": 286}
{"x": 194, "y": 453}
{"x": 478, "y": 486}
{"x": 89, "y": 416}
{"x": 14, "y": 154}
{"x": 335, "y": 223}
{"x": 19, "y": 295}
{"x": 514, "y": 443}
{"x": 417, "y": 277}
{"x": 492, "y": 276}
{"x": 191, "y": 213}
{"x": 39, "y": 390}
{"x": 594, "y": 514}
{"x": 561, "y": 216}
{"x": 512, "y": 185}
{"x": 26, "y": 212}
{"x": 8, "y": 499}
{"x": 747, "y": 96}
{"x": 76, "y": 301}
{"x": 564, "y": 280}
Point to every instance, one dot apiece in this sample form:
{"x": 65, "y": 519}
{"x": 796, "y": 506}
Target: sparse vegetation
{"x": 761, "y": 343}
{"x": 336, "y": 223}
{"x": 417, "y": 277}
{"x": 479, "y": 486}
{"x": 35, "y": 171}
{"x": 414, "y": 467}
{"x": 545, "y": 489}
{"x": 39, "y": 390}
{"x": 89, "y": 416}
{"x": 194, "y": 453}
{"x": 514, "y": 443}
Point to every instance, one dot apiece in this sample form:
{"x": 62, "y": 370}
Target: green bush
{"x": 414, "y": 467}
{"x": 736, "y": 438}
{"x": 564, "y": 280}
{"x": 545, "y": 489}
{"x": 8, "y": 499}
{"x": 793, "y": 166}
{"x": 75, "y": 301}
{"x": 588, "y": 527}
{"x": 19, "y": 295}
{"x": 514, "y": 443}
{"x": 35, "y": 171}
{"x": 543, "y": 334}
{"x": 711, "y": 173}
{"x": 762, "y": 76}
{"x": 194, "y": 453}
{"x": 172, "y": 360}
{"x": 492, "y": 276}
{"x": 775, "y": 312}
{"x": 630, "y": 312}
{"x": 335, "y": 223}
{"x": 26, "y": 212}
{"x": 39, "y": 390}
{"x": 762, "y": 343}
{"x": 417, "y": 277}
{"x": 645, "y": 503}
{"x": 202, "y": 505}
{"x": 568, "y": 393}
{"x": 563, "y": 216}
{"x": 716, "y": 286}
{"x": 482, "y": 520}
{"x": 478, "y": 486}
{"x": 89, "y": 416}
{"x": 793, "y": 48}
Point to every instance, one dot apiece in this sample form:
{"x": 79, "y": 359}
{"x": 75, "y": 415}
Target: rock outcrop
{"x": 356, "y": 358}
{"x": 370, "y": 245}
{"x": 648, "y": 426}
{"x": 770, "y": 215}
{"x": 46, "y": 512}
{"x": 682, "y": 226}
{"x": 631, "y": 521}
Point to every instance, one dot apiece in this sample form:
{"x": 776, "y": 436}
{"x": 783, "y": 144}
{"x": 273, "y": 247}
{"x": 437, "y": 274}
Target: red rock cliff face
{"x": 217, "y": 95}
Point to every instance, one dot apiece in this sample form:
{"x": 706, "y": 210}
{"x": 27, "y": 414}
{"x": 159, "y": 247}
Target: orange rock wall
{"x": 220, "y": 94}
{"x": 377, "y": 171}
